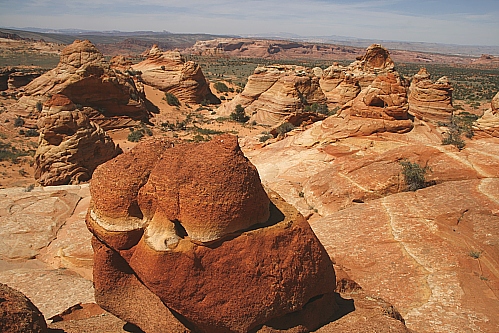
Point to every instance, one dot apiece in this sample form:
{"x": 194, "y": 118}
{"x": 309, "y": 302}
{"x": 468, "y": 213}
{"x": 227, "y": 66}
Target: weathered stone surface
{"x": 86, "y": 79}
{"x": 52, "y": 291}
{"x": 31, "y": 220}
{"x": 169, "y": 72}
{"x": 432, "y": 253}
{"x": 274, "y": 92}
{"x": 381, "y": 107}
{"x": 20, "y": 79}
{"x": 430, "y": 101}
{"x": 488, "y": 124}
{"x": 188, "y": 188}
{"x": 18, "y": 314}
{"x": 71, "y": 147}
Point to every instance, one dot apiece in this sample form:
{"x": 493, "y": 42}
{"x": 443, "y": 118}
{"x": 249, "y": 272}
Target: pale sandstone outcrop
{"x": 86, "y": 79}
{"x": 177, "y": 222}
{"x": 381, "y": 107}
{"x": 488, "y": 124}
{"x": 169, "y": 72}
{"x": 71, "y": 146}
{"x": 274, "y": 92}
{"x": 430, "y": 101}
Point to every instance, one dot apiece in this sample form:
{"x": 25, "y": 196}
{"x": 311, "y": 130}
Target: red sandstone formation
{"x": 430, "y": 101}
{"x": 169, "y": 72}
{"x": 86, "y": 79}
{"x": 18, "y": 314}
{"x": 189, "y": 233}
{"x": 71, "y": 146}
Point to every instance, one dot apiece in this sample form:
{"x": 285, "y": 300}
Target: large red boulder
{"x": 190, "y": 232}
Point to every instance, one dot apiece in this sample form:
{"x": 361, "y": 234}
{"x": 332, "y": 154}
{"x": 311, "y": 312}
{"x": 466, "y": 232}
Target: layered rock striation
{"x": 71, "y": 146}
{"x": 189, "y": 234}
{"x": 275, "y": 92}
{"x": 169, "y": 72}
{"x": 82, "y": 75}
{"x": 428, "y": 100}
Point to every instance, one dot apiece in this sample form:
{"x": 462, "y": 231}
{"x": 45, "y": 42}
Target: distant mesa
{"x": 187, "y": 240}
{"x": 108, "y": 97}
{"x": 168, "y": 71}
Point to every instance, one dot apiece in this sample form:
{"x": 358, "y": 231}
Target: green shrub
{"x": 221, "y": 87}
{"x": 31, "y": 133}
{"x": 265, "y": 137}
{"x": 171, "y": 99}
{"x": 39, "y": 106}
{"x": 414, "y": 175}
{"x": 284, "y": 128}
{"x": 239, "y": 114}
{"x": 135, "y": 136}
{"x": 18, "y": 122}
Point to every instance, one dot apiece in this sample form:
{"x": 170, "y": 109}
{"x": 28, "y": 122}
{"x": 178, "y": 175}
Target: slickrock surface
{"x": 169, "y": 72}
{"x": 42, "y": 224}
{"x": 18, "y": 314}
{"x": 433, "y": 253}
{"x": 167, "y": 242}
{"x": 488, "y": 124}
{"x": 415, "y": 250}
{"x": 70, "y": 147}
{"x": 274, "y": 92}
{"x": 107, "y": 96}
{"x": 430, "y": 101}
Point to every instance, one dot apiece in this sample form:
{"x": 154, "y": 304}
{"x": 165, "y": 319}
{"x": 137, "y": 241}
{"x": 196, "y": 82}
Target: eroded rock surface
{"x": 82, "y": 75}
{"x": 274, "y": 92}
{"x": 169, "y": 72}
{"x": 488, "y": 124}
{"x": 169, "y": 231}
{"x": 428, "y": 100}
{"x": 71, "y": 146}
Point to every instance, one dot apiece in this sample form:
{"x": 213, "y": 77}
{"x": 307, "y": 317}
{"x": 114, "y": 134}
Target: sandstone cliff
{"x": 488, "y": 124}
{"x": 169, "y": 72}
{"x": 107, "y": 96}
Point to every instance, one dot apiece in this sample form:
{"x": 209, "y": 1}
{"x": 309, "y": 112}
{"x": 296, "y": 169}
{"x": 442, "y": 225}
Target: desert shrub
{"x": 135, "y": 136}
{"x": 414, "y": 175}
{"x": 9, "y": 152}
{"x": 31, "y": 133}
{"x": 239, "y": 114}
{"x": 19, "y": 122}
{"x": 284, "y": 128}
{"x": 39, "y": 106}
{"x": 265, "y": 137}
{"x": 171, "y": 99}
{"x": 222, "y": 97}
{"x": 461, "y": 124}
{"x": 221, "y": 87}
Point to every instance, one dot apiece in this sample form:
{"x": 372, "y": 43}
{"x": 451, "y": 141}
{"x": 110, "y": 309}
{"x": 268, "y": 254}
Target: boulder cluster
{"x": 187, "y": 239}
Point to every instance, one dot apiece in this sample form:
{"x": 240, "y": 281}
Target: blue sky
{"x": 470, "y": 22}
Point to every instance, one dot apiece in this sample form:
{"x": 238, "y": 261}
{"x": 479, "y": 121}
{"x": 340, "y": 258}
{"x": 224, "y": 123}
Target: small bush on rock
{"x": 171, "y": 99}
{"x": 239, "y": 114}
{"x": 414, "y": 175}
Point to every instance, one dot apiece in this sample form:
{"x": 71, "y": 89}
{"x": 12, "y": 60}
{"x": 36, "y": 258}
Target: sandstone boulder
{"x": 430, "y": 101}
{"x": 71, "y": 146}
{"x": 274, "y": 92}
{"x": 169, "y": 72}
{"x": 86, "y": 79}
{"x": 18, "y": 314}
{"x": 167, "y": 236}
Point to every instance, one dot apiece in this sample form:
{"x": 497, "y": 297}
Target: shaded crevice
{"x": 179, "y": 229}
